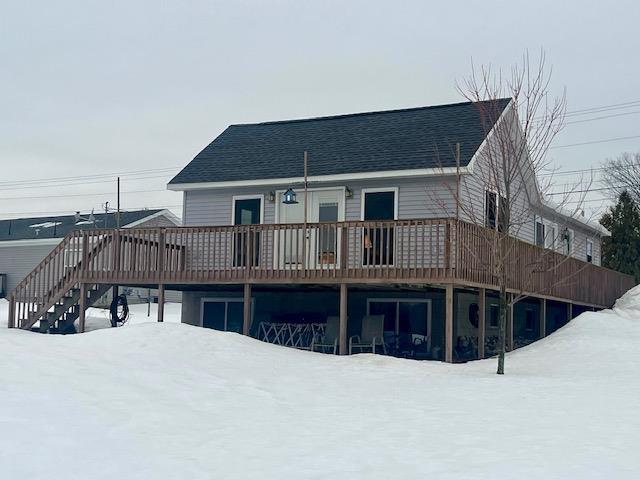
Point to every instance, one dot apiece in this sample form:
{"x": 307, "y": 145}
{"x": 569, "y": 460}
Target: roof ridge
{"x": 66, "y": 216}
{"x": 361, "y": 114}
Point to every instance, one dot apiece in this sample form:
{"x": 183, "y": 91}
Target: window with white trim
{"x": 589, "y": 249}
{"x": 551, "y": 235}
{"x": 495, "y": 211}
{"x": 539, "y": 231}
{"x": 568, "y": 240}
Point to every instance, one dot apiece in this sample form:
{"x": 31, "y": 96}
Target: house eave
{"x": 341, "y": 177}
{"x": 25, "y": 242}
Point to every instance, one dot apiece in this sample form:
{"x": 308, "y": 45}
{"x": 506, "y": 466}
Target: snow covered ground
{"x": 170, "y": 401}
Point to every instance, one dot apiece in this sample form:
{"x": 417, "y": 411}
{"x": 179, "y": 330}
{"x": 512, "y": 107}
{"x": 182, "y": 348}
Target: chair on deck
{"x": 327, "y": 341}
{"x": 371, "y": 337}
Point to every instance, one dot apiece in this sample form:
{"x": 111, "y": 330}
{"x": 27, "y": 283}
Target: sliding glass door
{"x": 407, "y": 323}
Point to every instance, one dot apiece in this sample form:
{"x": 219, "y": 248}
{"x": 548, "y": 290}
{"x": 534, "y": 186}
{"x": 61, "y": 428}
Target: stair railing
{"x": 51, "y": 279}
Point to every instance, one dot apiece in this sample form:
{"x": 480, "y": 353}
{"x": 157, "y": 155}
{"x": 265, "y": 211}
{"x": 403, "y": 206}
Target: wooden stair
{"x": 50, "y": 295}
{"x": 62, "y": 316}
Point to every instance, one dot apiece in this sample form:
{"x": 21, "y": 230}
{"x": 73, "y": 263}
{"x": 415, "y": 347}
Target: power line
{"x": 83, "y": 194}
{"x": 605, "y": 140}
{"x": 76, "y": 183}
{"x": 603, "y": 117}
{"x": 80, "y": 177}
{"x": 602, "y": 108}
{"x": 63, "y": 212}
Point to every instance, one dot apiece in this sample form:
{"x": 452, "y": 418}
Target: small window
{"x": 502, "y": 214}
{"x": 530, "y": 320}
{"x": 550, "y": 240}
{"x": 494, "y": 312}
{"x": 540, "y": 231}
{"x": 491, "y": 205}
{"x": 590, "y": 251}
{"x": 568, "y": 237}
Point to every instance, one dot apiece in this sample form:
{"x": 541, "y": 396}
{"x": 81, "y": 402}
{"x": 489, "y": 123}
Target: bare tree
{"x": 623, "y": 173}
{"x": 505, "y": 192}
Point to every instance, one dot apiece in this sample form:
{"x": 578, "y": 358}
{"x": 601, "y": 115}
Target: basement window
{"x": 494, "y": 313}
{"x": 530, "y": 320}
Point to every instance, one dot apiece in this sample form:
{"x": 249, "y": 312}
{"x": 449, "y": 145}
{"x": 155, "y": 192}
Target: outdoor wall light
{"x": 289, "y": 197}
{"x": 348, "y": 193}
{"x": 272, "y": 196}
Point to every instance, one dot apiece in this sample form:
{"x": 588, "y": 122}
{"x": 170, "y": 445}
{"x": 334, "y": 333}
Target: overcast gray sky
{"x": 100, "y": 87}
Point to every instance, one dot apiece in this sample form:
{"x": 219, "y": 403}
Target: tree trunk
{"x": 503, "y": 329}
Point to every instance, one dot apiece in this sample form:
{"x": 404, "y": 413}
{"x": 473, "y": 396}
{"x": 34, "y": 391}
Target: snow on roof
{"x": 572, "y": 216}
{"x": 45, "y": 225}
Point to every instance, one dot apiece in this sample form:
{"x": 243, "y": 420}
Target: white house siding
{"x": 427, "y": 197}
{"x": 17, "y": 261}
{"x": 472, "y": 196}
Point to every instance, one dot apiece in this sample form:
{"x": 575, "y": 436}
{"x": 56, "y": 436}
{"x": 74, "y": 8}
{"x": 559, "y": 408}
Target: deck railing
{"x": 400, "y": 251}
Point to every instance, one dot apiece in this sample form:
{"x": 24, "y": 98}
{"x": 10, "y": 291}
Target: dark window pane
{"x": 530, "y": 320}
{"x": 327, "y": 241}
{"x": 539, "y": 233}
{"x": 413, "y": 318}
{"x": 379, "y": 206}
{"x": 247, "y": 212}
{"x": 474, "y": 315}
{"x": 490, "y": 209}
{"x": 388, "y": 309}
{"x": 235, "y": 317}
{"x": 502, "y": 215}
{"x": 213, "y": 315}
{"x": 494, "y": 312}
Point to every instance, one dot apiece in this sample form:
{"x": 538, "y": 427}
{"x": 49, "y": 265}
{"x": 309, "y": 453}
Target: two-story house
{"x": 356, "y": 233}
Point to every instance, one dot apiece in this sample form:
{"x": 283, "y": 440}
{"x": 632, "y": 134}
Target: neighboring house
{"x": 371, "y": 235}
{"x": 24, "y": 242}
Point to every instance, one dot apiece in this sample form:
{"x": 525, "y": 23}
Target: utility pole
{"x": 305, "y": 237}
{"x": 457, "y": 181}
{"x": 118, "y": 209}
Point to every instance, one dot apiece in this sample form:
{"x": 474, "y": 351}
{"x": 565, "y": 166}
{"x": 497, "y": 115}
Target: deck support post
{"x": 342, "y": 337}
{"x": 482, "y": 294}
{"x": 11, "y": 323}
{"x": 246, "y": 312}
{"x": 569, "y": 312}
{"x": 448, "y": 326}
{"x": 543, "y": 317}
{"x": 161, "y": 302}
{"x": 510, "y": 323}
{"x": 83, "y": 307}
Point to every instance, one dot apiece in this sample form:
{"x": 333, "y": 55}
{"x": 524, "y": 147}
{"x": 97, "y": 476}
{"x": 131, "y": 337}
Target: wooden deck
{"x": 421, "y": 251}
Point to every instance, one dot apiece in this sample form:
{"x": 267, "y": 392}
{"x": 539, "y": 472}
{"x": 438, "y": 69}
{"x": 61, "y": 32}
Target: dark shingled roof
{"x": 411, "y": 138}
{"x": 58, "y": 227}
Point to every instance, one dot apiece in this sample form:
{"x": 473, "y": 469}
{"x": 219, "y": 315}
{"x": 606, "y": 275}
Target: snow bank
{"x": 629, "y": 304}
{"x": 170, "y": 401}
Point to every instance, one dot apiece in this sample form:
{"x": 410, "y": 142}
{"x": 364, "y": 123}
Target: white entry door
{"x": 320, "y": 243}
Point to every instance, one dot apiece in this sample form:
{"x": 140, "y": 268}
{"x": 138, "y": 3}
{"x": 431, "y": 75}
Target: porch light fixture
{"x": 348, "y": 193}
{"x": 289, "y": 197}
{"x": 272, "y": 196}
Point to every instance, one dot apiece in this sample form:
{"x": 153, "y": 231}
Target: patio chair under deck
{"x": 327, "y": 341}
{"x": 372, "y": 335}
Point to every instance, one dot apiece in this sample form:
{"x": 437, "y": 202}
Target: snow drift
{"x": 170, "y": 401}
